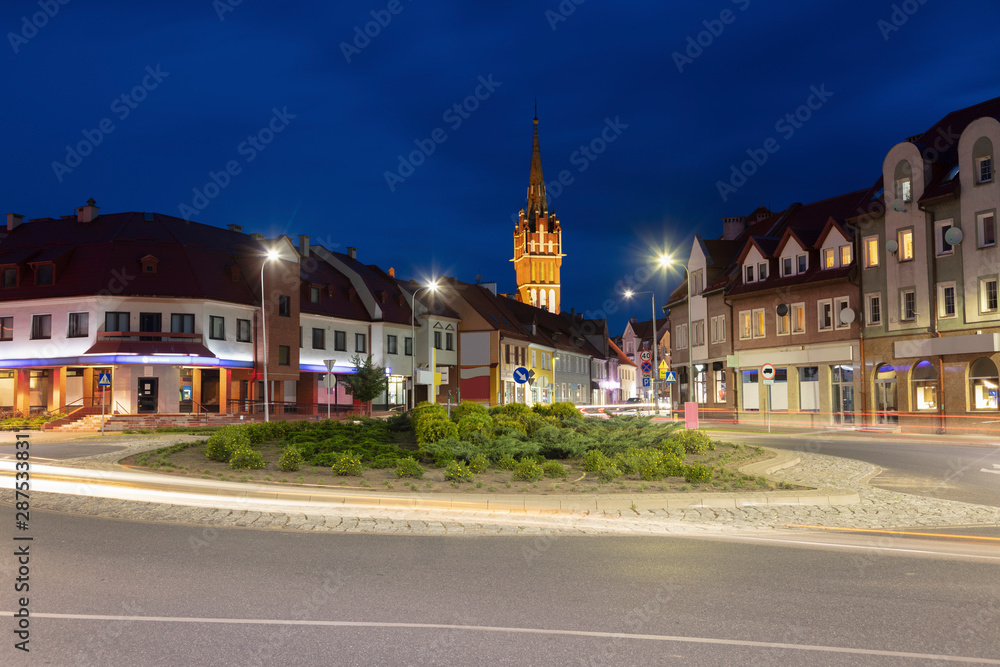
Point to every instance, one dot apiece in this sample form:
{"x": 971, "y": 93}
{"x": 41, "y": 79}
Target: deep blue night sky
{"x": 886, "y": 74}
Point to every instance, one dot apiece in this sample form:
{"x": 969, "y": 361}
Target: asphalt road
{"x": 145, "y": 594}
{"x": 967, "y": 473}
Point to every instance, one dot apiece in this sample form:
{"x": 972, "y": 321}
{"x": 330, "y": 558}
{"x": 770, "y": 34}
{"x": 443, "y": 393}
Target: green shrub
{"x": 698, "y": 474}
{"x": 433, "y": 429}
{"x": 475, "y": 423}
{"x": 246, "y": 458}
{"x": 594, "y": 460}
{"x": 565, "y": 410}
{"x": 425, "y": 411}
{"x": 290, "y": 460}
{"x": 695, "y": 441}
{"x": 528, "y": 470}
{"x": 554, "y": 469}
{"x": 609, "y": 473}
{"x": 507, "y": 462}
{"x": 400, "y": 423}
{"x": 515, "y": 447}
{"x": 408, "y": 467}
{"x": 479, "y": 464}
{"x": 466, "y": 408}
{"x": 347, "y": 465}
{"x": 456, "y": 471}
{"x": 385, "y": 460}
{"x": 221, "y": 445}
{"x": 560, "y": 443}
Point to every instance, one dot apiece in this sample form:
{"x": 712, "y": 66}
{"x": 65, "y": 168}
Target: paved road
{"x": 952, "y": 471}
{"x": 141, "y": 594}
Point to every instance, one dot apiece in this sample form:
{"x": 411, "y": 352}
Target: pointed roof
{"x": 537, "y": 204}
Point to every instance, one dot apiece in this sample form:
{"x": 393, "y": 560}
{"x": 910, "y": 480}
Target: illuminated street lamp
{"x": 668, "y": 261}
{"x": 270, "y": 257}
{"x": 413, "y": 340}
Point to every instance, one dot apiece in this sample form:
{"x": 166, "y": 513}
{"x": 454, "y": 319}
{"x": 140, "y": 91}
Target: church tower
{"x": 537, "y": 242}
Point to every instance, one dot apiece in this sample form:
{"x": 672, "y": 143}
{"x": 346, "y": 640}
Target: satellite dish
{"x": 847, "y": 315}
{"x": 782, "y": 310}
{"x": 891, "y": 246}
{"x": 897, "y": 205}
{"x": 954, "y": 236}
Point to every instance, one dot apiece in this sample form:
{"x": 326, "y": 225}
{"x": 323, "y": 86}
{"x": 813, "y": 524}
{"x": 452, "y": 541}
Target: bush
{"x": 246, "y": 458}
{"x": 475, "y": 423}
{"x": 434, "y": 429}
{"x": 695, "y": 441}
{"x": 507, "y": 462}
{"x": 426, "y": 411}
{"x": 290, "y": 460}
{"x": 408, "y": 467}
{"x": 466, "y": 408}
{"x": 507, "y": 445}
{"x": 479, "y": 464}
{"x": 528, "y": 470}
{"x": 561, "y": 410}
{"x": 385, "y": 460}
{"x": 594, "y": 460}
{"x": 554, "y": 469}
{"x": 400, "y": 423}
{"x": 609, "y": 473}
{"x": 697, "y": 474}
{"x": 347, "y": 465}
{"x": 456, "y": 471}
{"x": 221, "y": 445}
{"x": 560, "y": 443}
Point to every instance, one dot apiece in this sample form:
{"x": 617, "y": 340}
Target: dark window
{"x": 78, "y": 325}
{"x": 217, "y": 327}
{"x": 449, "y": 341}
{"x": 285, "y": 306}
{"x": 43, "y": 274}
{"x": 116, "y": 321}
{"x": 284, "y": 355}
{"x": 10, "y": 277}
{"x": 437, "y": 340}
{"x": 360, "y": 341}
{"x": 242, "y": 331}
{"x": 41, "y": 326}
{"x": 150, "y": 322}
{"x": 408, "y": 346}
{"x": 314, "y": 294}
{"x": 6, "y": 328}
{"x": 340, "y": 341}
{"x": 182, "y": 323}
{"x": 319, "y": 339}
{"x": 390, "y": 345}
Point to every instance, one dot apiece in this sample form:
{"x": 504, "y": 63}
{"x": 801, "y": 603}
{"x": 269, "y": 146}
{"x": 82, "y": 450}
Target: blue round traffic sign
{"x": 521, "y": 375}
{"x": 647, "y": 367}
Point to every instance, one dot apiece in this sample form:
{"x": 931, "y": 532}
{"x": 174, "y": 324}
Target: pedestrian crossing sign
{"x": 671, "y": 377}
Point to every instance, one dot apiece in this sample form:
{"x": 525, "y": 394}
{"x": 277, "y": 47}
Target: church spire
{"x": 537, "y": 206}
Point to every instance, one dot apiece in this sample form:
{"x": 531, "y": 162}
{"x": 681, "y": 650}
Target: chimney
{"x": 733, "y": 227}
{"x": 87, "y": 213}
{"x": 14, "y": 220}
{"x": 492, "y": 287}
{"x": 352, "y": 252}
{"x": 257, "y": 237}
{"x": 304, "y": 245}
{"x": 236, "y": 228}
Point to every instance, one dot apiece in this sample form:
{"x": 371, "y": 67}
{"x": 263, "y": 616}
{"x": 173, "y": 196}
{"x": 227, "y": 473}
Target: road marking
{"x": 995, "y": 472}
{"x": 892, "y": 532}
{"x": 515, "y": 630}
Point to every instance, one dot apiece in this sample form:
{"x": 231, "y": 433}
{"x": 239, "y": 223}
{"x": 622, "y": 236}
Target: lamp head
{"x": 629, "y": 294}
{"x": 272, "y": 255}
{"x": 666, "y": 260}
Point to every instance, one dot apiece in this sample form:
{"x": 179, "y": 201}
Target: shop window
{"x": 809, "y": 388}
{"x": 925, "y": 383}
{"x": 984, "y": 382}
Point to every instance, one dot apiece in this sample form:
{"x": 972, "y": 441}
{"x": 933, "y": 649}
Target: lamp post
{"x": 656, "y": 362}
{"x": 270, "y": 257}
{"x": 413, "y": 339}
{"x": 669, "y": 261}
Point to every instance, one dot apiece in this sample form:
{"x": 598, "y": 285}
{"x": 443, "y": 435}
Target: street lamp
{"x": 270, "y": 257}
{"x": 413, "y": 340}
{"x": 656, "y": 362}
{"x": 668, "y": 261}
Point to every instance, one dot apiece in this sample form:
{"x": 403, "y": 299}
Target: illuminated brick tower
{"x": 537, "y": 242}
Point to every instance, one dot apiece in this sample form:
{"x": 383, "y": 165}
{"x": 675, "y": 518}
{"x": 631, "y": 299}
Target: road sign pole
{"x": 768, "y": 408}
{"x": 104, "y": 402}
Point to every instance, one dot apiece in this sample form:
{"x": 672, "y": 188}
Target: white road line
{"x": 751, "y": 538}
{"x": 536, "y": 631}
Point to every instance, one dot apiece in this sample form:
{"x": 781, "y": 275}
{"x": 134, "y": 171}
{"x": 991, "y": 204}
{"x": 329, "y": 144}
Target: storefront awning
{"x": 150, "y": 348}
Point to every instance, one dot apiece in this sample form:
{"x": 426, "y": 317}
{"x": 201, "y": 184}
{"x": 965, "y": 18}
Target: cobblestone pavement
{"x": 878, "y": 509}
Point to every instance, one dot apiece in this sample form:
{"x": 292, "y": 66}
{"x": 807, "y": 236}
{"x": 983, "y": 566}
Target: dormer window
{"x": 314, "y": 295}
{"x": 829, "y": 259}
{"x": 749, "y": 274}
{"x": 803, "y": 263}
{"x": 44, "y": 274}
{"x": 762, "y": 271}
{"x": 149, "y": 264}
{"x": 10, "y": 276}
{"x": 786, "y": 266}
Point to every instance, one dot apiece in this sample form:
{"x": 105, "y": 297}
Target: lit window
{"x": 985, "y": 384}
{"x": 759, "y": 323}
{"x": 925, "y": 382}
{"x": 746, "y": 326}
{"x": 798, "y": 318}
{"x": 905, "y": 245}
{"x": 903, "y": 190}
{"x": 828, "y": 259}
{"x": 782, "y": 323}
{"x": 845, "y": 255}
{"x": 870, "y": 247}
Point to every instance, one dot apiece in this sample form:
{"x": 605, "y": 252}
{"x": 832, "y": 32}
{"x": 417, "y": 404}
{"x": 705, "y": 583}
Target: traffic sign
{"x": 671, "y": 377}
{"x": 645, "y": 355}
{"x": 767, "y": 372}
{"x": 104, "y": 379}
{"x": 646, "y": 382}
{"x": 647, "y": 367}
{"x": 521, "y": 375}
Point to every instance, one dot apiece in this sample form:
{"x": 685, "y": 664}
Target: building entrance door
{"x": 148, "y": 395}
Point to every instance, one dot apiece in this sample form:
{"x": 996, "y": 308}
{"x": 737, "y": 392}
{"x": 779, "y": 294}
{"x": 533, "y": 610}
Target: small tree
{"x": 368, "y": 381}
